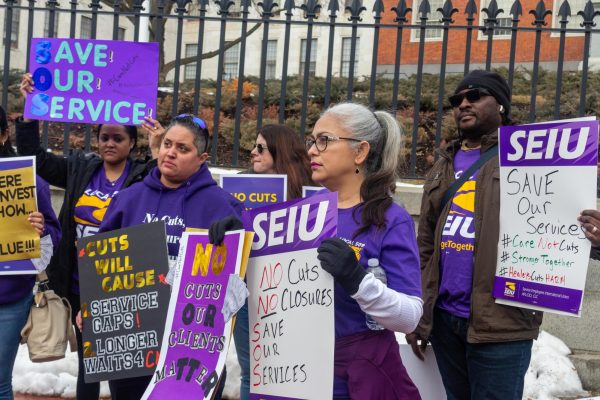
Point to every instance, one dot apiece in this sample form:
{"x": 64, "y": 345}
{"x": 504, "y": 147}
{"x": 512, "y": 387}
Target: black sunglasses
{"x": 472, "y": 96}
{"x": 260, "y": 148}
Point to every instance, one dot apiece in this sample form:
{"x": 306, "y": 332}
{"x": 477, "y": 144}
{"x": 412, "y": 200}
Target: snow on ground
{"x": 551, "y": 374}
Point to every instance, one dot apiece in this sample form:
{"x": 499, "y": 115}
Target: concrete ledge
{"x": 588, "y": 368}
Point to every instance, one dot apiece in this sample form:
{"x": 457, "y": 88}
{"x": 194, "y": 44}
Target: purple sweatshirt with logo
{"x": 197, "y": 203}
{"x": 16, "y": 287}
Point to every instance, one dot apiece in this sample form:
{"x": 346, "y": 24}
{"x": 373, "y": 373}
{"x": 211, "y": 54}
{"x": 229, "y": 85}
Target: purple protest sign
{"x": 197, "y": 334}
{"x": 92, "y": 81}
{"x": 290, "y": 308}
{"x": 548, "y": 175}
{"x": 298, "y": 224}
{"x": 308, "y": 191}
{"x": 256, "y": 190}
{"x": 561, "y": 143}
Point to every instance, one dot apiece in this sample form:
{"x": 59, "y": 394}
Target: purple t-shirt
{"x": 458, "y": 242}
{"x": 92, "y": 205}
{"x": 395, "y": 247}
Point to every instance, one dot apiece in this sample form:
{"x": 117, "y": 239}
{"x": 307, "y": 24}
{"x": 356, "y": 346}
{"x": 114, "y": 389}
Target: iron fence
{"x": 383, "y": 18}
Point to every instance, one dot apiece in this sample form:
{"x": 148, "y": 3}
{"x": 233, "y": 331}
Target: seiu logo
{"x": 509, "y": 289}
{"x": 542, "y": 144}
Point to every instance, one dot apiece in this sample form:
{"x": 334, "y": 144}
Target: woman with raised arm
{"x": 90, "y": 182}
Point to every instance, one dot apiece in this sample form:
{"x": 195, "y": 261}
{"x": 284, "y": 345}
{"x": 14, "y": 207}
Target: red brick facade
{"x": 457, "y": 40}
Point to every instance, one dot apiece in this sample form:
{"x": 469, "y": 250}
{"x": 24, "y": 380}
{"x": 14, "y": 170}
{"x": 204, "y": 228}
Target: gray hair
{"x": 380, "y": 129}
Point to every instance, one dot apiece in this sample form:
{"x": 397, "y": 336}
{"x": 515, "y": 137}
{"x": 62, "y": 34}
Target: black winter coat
{"x": 72, "y": 173}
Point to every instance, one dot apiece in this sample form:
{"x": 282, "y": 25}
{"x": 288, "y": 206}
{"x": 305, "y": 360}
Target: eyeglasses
{"x": 198, "y": 121}
{"x": 322, "y": 141}
{"x": 260, "y": 147}
{"x": 472, "y": 96}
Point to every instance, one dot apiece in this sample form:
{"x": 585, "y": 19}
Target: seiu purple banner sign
{"x": 295, "y": 225}
{"x": 92, "y": 81}
{"x": 561, "y": 143}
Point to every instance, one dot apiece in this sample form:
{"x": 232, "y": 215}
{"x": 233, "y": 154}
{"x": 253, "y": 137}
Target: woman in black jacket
{"x": 90, "y": 182}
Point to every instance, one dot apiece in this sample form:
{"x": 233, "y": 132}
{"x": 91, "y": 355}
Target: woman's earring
{"x": 501, "y": 109}
{"x": 357, "y": 171}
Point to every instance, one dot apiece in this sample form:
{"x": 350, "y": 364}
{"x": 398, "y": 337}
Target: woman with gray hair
{"x": 355, "y": 152}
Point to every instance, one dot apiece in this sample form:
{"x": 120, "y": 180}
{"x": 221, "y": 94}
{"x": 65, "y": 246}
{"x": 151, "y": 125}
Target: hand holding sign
{"x": 339, "y": 260}
{"x": 36, "y": 219}
{"x": 590, "y": 220}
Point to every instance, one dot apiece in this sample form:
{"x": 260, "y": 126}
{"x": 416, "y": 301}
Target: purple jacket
{"x": 197, "y": 203}
{"x": 15, "y": 287}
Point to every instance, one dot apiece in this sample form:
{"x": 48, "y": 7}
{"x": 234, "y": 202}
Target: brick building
{"x": 457, "y": 38}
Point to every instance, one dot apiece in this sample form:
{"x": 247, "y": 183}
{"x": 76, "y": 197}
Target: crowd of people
{"x": 433, "y": 294}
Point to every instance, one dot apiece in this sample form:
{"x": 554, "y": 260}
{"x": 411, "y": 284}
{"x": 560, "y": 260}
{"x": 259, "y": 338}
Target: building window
{"x": 191, "y": 50}
{"x": 47, "y": 24}
{"x": 574, "y": 20}
{"x": 346, "y": 47}
{"x": 121, "y": 34}
{"x": 236, "y": 9}
{"x": 230, "y": 62}
{"x": 433, "y": 18}
{"x": 271, "y": 59}
{"x": 14, "y": 31}
{"x": 312, "y": 64}
{"x": 503, "y": 20}
{"x": 85, "y": 31}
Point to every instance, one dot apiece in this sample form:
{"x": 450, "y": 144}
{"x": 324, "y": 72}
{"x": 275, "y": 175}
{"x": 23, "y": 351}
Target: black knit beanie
{"x": 491, "y": 81}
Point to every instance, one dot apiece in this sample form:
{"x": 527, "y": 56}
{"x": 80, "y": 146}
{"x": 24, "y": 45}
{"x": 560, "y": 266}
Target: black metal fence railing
{"x": 400, "y": 52}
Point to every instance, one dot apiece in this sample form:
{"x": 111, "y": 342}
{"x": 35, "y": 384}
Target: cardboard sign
{"x": 256, "y": 190}
{"x": 548, "y": 175}
{"x": 291, "y": 303}
{"x": 18, "y": 239}
{"x": 308, "y": 191}
{"x": 124, "y": 300}
{"x": 92, "y": 81}
{"x": 198, "y": 329}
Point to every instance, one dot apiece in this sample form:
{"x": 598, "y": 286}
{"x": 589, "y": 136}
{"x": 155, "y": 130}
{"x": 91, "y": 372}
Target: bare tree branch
{"x": 188, "y": 60}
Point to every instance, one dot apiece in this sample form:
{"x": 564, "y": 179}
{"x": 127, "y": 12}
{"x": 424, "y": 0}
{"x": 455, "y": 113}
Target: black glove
{"x": 216, "y": 232}
{"x": 339, "y": 260}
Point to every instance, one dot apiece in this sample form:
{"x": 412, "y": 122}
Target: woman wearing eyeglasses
{"x": 355, "y": 152}
{"x": 278, "y": 150}
{"x": 90, "y": 182}
{"x": 180, "y": 191}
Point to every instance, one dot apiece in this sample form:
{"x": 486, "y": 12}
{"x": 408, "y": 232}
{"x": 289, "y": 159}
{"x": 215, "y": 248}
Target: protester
{"x": 181, "y": 192}
{"x": 278, "y": 150}
{"x": 16, "y": 290}
{"x": 90, "y": 182}
{"x": 482, "y": 348}
{"x": 354, "y": 152}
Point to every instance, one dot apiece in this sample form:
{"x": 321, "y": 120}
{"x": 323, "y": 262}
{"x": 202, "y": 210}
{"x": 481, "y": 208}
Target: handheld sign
{"x": 19, "y": 241}
{"x": 197, "y": 333}
{"x": 548, "y": 175}
{"x": 256, "y": 190}
{"x": 124, "y": 300}
{"x": 92, "y": 81}
{"x": 290, "y": 308}
{"x": 308, "y": 191}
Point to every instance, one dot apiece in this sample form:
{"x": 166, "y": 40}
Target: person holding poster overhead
{"x": 483, "y": 349}
{"x": 354, "y": 152}
{"x": 179, "y": 191}
{"x": 90, "y": 182}
{"x": 16, "y": 290}
{"x": 277, "y": 150}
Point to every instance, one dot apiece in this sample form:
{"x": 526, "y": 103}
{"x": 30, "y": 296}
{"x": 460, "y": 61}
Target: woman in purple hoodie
{"x": 179, "y": 191}
{"x": 16, "y": 290}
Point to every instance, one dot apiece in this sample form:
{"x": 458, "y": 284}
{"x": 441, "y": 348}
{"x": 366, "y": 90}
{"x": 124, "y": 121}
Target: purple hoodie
{"x": 197, "y": 203}
{"x": 15, "y": 287}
